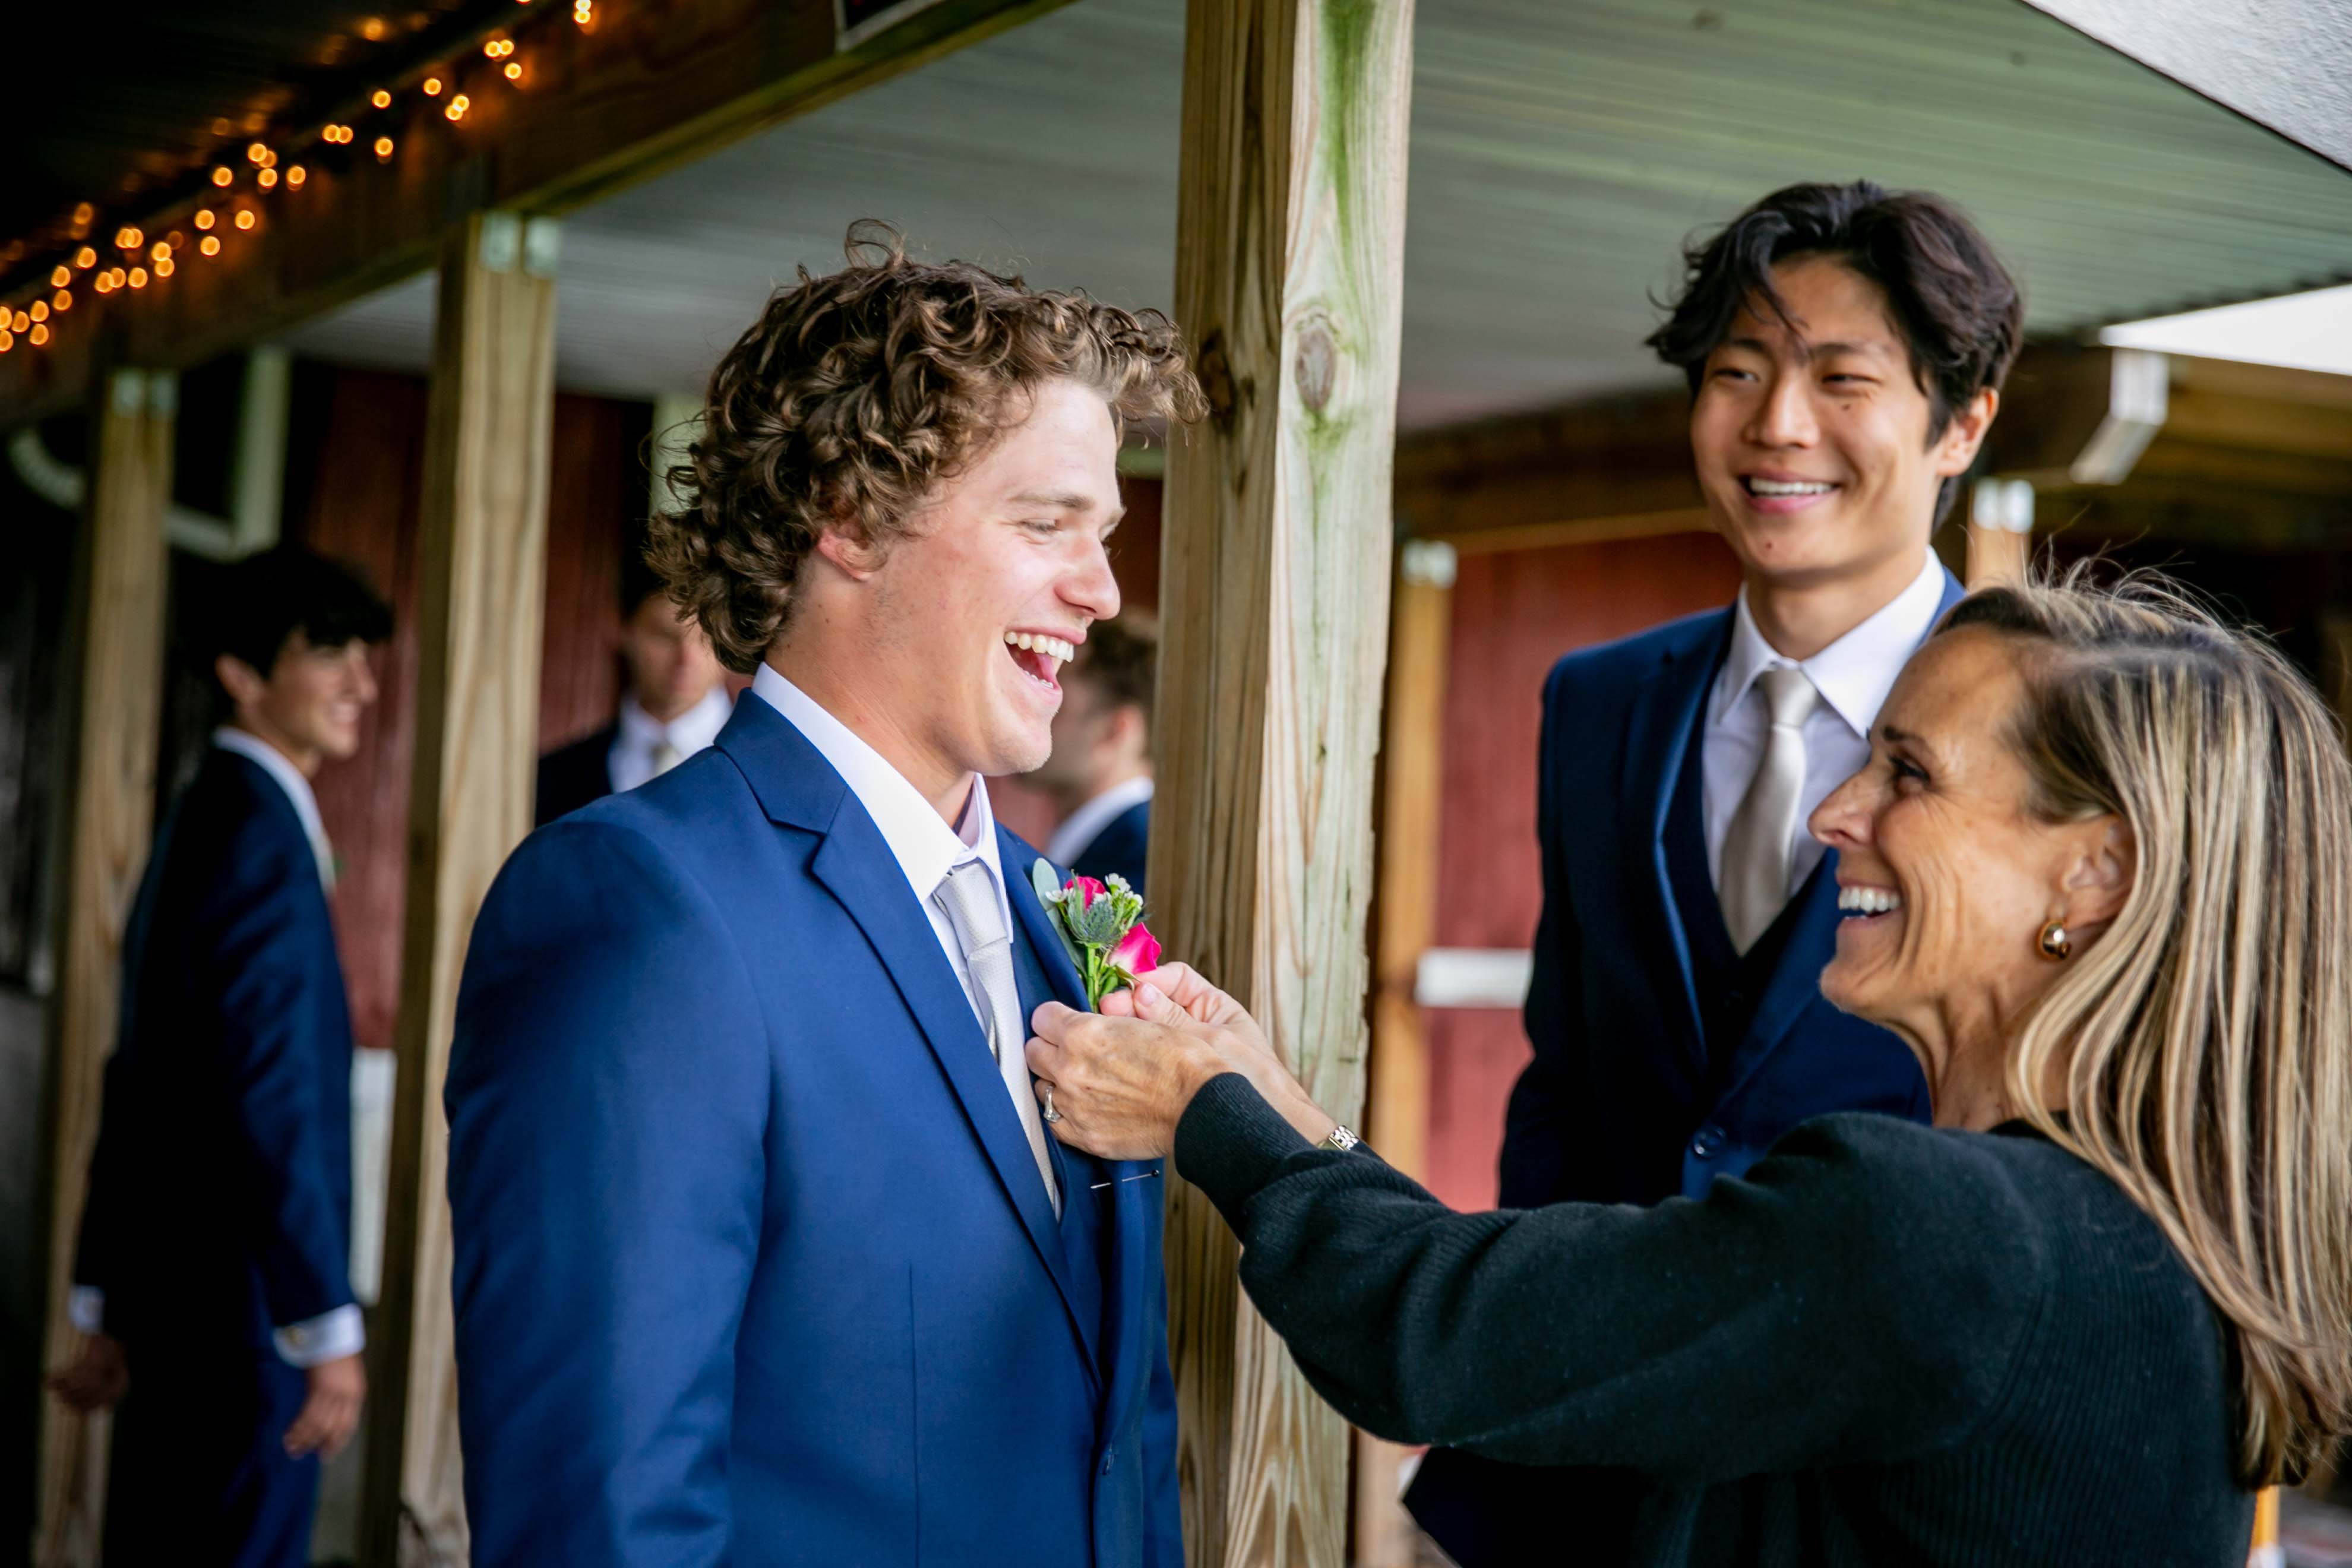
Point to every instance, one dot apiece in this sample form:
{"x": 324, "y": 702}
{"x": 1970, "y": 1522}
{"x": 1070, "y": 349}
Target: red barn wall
{"x": 354, "y": 494}
{"x": 1514, "y": 613}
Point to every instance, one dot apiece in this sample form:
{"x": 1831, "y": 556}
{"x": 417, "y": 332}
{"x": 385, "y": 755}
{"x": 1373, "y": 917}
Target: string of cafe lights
{"x": 148, "y": 251}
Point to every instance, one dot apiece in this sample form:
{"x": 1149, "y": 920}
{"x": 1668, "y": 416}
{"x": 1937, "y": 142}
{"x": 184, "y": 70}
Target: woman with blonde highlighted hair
{"x": 2098, "y": 877}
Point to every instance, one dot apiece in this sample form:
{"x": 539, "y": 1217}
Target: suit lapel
{"x": 1128, "y": 1275}
{"x": 798, "y": 788}
{"x": 1044, "y": 936}
{"x": 1658, "y": 734}
{"x": 856, "y": 868}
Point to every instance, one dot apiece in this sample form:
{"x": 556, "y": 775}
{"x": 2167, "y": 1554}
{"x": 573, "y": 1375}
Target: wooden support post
{"x": 1290, "y": 231}
{"x": 120, "y": 577}
{"x": 481, "y": 595}
{"x": 1404, "y": 910}
{"x": 2001, "y": 532}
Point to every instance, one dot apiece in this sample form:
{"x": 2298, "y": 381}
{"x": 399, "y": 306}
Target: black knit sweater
{"x": 1886, "y": 1344}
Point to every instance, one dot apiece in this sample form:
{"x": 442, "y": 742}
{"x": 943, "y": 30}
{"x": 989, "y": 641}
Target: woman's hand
{"x": 1117, "y": 1087}
{"x": 1121, "y": 1081}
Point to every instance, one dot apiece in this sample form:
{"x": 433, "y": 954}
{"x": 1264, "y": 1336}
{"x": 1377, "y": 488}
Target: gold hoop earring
{"x": 2055, "y": 944}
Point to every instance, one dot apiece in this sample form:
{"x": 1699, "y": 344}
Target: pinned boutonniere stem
{"x": 1102, "y": 925}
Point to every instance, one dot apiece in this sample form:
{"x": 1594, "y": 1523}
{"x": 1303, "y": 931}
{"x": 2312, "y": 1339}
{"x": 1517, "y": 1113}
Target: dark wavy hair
{"x": 264, "y": 599}
{"x": 854, "y": 394}
{"x": 1959, "y": 310}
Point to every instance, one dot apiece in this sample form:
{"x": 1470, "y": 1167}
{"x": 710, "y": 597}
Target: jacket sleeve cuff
{"x": 86, "y": 1308}
{"x": 331, "y": 1336}
{"x": 1231, "y": 1143}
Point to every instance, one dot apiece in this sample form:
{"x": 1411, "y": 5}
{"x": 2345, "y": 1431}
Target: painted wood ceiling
{"x": 1561, "y": 152}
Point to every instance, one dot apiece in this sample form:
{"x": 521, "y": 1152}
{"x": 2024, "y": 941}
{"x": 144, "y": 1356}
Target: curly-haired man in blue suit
{"x": 763, "y": 1255}
{"x": 1844, "y": 347}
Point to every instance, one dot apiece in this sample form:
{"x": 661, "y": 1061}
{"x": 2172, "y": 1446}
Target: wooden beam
{"x": 1608, "y": 468}
{"x": 1579, "y": 530}
{"x": 2078, "y": 415}
{"x": 1999, "y": 532}
{"x": 2283, "y": 64}
{"x": 2199, "y": 512}
{"x": 1404, "y": 920}
{"x": 1289, "y": 267}
{"x": 645, "y": 89}
{"x": 120, "y": 577}
{"x": 480, "y": 594}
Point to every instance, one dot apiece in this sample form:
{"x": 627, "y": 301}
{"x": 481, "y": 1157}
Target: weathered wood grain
{"x": 1275, "y": 607}
{"x": 480, "y": 592}
{"x": 120, "y": 582}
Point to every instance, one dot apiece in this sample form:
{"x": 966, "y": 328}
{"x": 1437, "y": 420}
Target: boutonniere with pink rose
{"x": 1102, "y": 925}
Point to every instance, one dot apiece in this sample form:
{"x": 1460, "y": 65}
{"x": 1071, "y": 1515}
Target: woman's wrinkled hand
{"x": 1116, "y": 1086}
{"x": 1118, "y": 1081}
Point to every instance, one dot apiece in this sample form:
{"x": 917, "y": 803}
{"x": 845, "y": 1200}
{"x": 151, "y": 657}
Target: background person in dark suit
{"x": 781, "y": 1267}
{"x": 212, "y": 1276}
{"x": 675, "y": 706}
{"x": 1845, "y": 348}
{"x": 1099, "y": 774}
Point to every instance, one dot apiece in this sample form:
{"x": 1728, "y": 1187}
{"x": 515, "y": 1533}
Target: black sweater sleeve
{"x": 1865, "y": 1294}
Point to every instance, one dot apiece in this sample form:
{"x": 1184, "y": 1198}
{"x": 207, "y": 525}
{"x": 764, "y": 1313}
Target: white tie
{"x": 968, "y": 894}
{"x": 665, "y": 756}
{"x": 1754, "y": 882}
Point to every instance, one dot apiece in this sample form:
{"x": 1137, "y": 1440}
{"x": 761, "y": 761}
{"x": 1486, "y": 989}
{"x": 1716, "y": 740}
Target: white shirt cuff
{"x": 329, "y": 1337}
{"x": 86, "y": 1308}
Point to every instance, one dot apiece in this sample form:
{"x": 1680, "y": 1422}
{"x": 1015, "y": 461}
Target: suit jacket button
{"x": 1709, "y": 1142}
{"x": 1107, "y": 1458}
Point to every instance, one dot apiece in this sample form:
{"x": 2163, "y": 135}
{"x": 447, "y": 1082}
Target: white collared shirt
{"x": 1083, "y": 826}
{"x": 281, "y": 767}
{"x": 927, "y": 849}
{"x": 630, "y": 763}
{"x": 340, "y": 1332}
{"x": 1853, "y": 675}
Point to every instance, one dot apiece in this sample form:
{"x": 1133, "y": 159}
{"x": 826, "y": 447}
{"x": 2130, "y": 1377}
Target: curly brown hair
{"x": 857, "y": 392}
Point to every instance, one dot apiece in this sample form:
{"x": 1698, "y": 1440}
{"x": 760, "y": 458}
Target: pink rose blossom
{"x": 1089, "y": 890}
{"x": 1138, "y": 951}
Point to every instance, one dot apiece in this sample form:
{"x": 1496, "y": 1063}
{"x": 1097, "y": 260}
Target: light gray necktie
{"x": 1754, "y": 882}
{"x": 665, "y": 756}
{"x": 968, "y": 894}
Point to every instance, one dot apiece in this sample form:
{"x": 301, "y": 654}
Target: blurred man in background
{"x": 674, "y": 707}
{"x": 211, "y": 1280}
{"x": 1100, "y": 775}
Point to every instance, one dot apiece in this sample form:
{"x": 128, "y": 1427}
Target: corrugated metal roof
{"x": 1561, "y": 151}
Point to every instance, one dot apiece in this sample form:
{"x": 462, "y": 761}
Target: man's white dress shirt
{"x": 633, "y": 757}
{"x": 1077, "y": 834}
{"x": 341, "y": 1331}
{"x": 926, "y": 848}
{"x": 1853, "y": 675}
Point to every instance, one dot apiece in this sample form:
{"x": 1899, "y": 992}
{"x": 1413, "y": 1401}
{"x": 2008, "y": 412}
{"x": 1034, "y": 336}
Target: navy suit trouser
{"x": 201, "y": 1476}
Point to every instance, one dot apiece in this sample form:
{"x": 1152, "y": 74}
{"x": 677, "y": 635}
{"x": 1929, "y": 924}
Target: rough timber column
{"x": 1290, "y": 257}
{"x": 482, "y": 593}
{"x": 120, "y": 578}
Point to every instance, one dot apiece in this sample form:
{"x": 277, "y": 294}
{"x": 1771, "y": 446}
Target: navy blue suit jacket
{"x": 1623, "y": 1103}
{"x": 219, "y": 1205}
{"x": 754, "y": 1262}
{"x": 1121, "y": 847}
